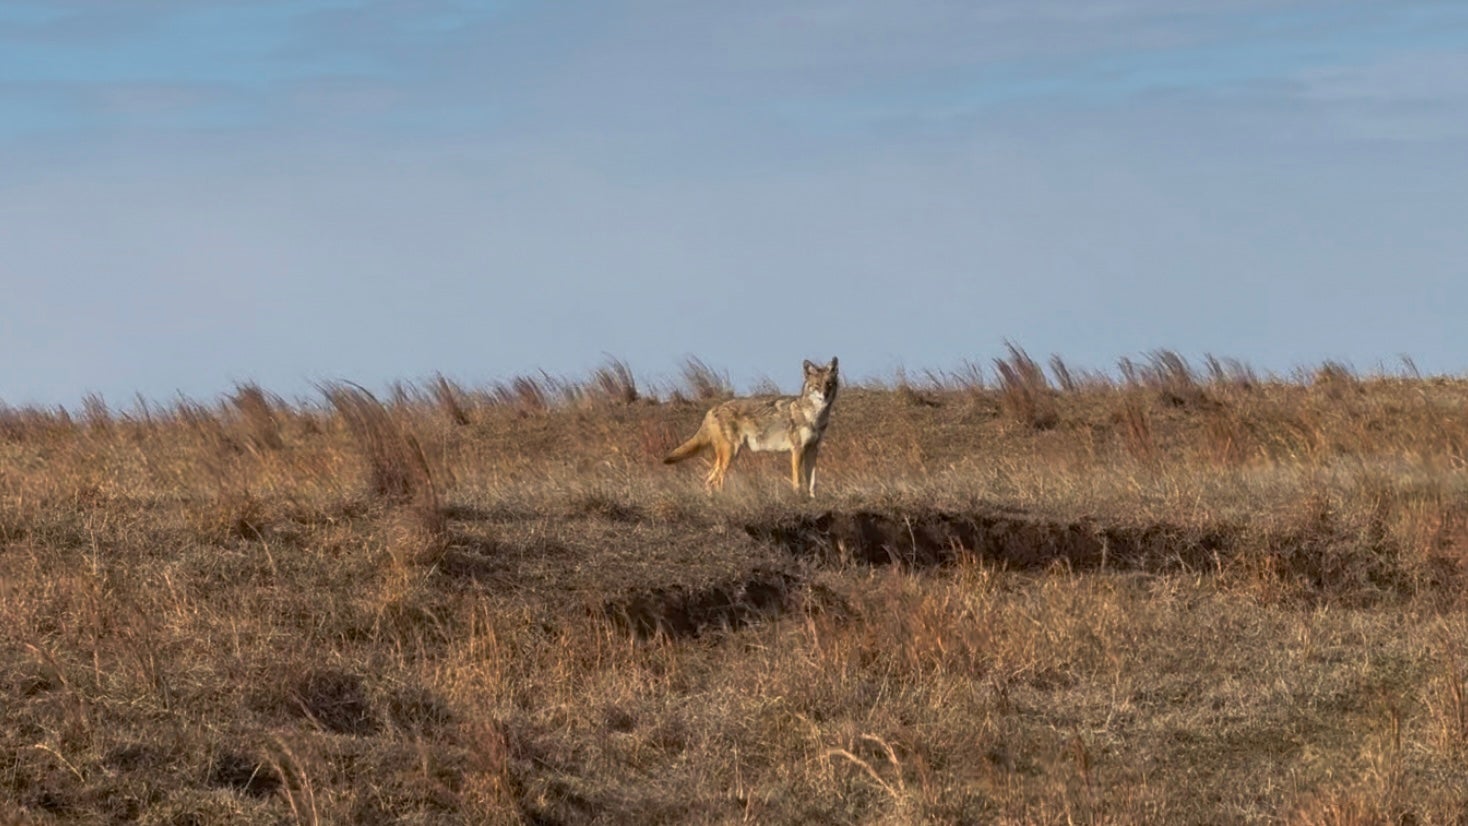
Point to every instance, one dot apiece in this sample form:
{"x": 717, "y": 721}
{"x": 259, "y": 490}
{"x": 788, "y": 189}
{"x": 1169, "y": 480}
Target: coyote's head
{"x": 821, "y": 381}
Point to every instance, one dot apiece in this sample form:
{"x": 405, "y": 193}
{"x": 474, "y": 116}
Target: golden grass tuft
{"x": 450, "y": 398}
{"x": 703, "y": 383}
{"x": 258, "y": 411}
{"x": 397, "y": 468}
{"x": 614, "y": 382}
{"x": 1025, "y": 394}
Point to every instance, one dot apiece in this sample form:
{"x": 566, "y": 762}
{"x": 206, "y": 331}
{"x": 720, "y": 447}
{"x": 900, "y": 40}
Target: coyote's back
{"x": 793, "y": 423}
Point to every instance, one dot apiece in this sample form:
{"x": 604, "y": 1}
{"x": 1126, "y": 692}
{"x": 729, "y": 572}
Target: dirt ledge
{"x": 1014, "y": 539}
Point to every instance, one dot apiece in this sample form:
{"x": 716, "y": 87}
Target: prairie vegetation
{"x": 1027, "y": 594}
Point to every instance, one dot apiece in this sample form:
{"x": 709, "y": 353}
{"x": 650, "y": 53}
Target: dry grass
{"x": 1178, "y": 595}
{"x": 1025, "y": 394}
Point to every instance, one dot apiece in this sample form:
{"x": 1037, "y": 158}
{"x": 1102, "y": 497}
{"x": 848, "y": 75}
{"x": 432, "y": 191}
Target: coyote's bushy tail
{"x": 690, "y": 448}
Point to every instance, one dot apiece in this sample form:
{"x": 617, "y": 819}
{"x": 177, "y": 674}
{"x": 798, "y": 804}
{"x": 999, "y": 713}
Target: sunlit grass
{"x": 1026, "y": 594}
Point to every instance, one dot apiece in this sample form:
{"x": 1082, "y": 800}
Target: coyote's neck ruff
{"x": 793, "y": 423}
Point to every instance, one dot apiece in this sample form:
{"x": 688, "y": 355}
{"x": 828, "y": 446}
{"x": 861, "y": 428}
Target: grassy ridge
{"x": 1025, "y": 594}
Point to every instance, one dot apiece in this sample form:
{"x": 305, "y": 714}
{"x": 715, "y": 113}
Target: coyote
{"x": 793, "y": 423}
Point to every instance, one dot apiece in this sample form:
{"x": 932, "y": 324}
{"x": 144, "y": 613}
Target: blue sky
{"x": 204, "y": 192}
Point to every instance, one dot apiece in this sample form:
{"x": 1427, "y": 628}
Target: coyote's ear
{"x": 810, "y": 368}
{"x": 833, "y": 363}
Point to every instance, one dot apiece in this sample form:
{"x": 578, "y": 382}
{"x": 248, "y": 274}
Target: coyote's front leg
{"x": 811, "y": 452}
{"x": 803, "y": 468}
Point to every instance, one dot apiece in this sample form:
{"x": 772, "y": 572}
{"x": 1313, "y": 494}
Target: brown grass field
{"x": 1023, "y": 594}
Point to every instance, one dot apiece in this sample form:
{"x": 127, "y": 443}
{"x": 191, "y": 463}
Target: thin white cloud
{"x": 1421, "y": 96}
{"x": 1419, "y": 77}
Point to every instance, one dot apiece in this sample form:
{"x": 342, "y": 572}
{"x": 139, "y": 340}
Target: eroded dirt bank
{"x": 1326, "y": 562}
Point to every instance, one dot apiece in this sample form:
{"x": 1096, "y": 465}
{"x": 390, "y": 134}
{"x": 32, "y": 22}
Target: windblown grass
{"x": 1168, "y": 594}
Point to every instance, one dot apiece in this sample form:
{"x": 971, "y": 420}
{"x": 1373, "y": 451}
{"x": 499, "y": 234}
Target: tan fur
{"x": 793, "y": 423}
